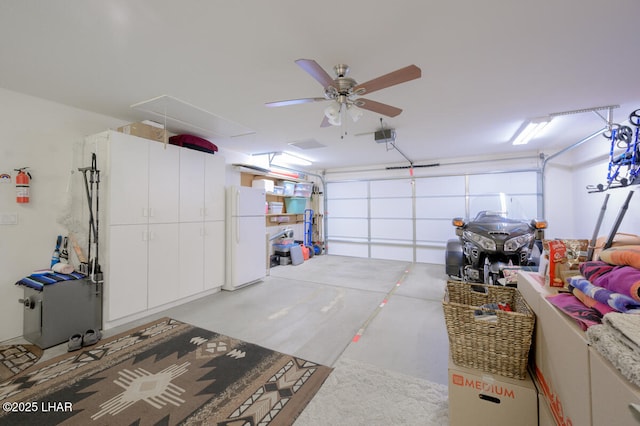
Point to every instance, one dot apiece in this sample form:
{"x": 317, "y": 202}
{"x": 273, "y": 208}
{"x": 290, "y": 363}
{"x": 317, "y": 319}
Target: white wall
{"x": 41, "y": 135}
{"x": 572, "y": 211}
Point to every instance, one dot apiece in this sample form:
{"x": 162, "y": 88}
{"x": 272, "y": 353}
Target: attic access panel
{"x": 182, "y": 117}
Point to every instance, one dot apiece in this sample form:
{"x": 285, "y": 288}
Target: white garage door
{"x": 410, "y": 219}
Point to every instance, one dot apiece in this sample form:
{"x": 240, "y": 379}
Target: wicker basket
{"x": 499, "y": 347}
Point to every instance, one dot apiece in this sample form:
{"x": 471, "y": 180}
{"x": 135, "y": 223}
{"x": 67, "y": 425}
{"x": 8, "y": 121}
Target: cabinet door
{"x": 214, "y": 254}
{"x": 126, "y": 283}
{"x": 128, "y": 179}
{"x": 191, "y": 258}
{"x": 191, "y": 185}
{"x": 164, "y": 273}
{"x": 214, "y": 184}
{"x": 164, "y": 176}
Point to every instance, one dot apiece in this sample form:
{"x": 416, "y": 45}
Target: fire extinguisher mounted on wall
{"x": 22, "y": 185}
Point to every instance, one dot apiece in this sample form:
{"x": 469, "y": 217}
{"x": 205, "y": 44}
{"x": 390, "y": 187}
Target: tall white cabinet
{"x": 161, "y": 224}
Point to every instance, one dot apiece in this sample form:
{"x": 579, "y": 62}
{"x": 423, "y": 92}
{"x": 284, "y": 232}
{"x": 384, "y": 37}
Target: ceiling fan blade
{"x": 316, "y": 71}
{"x": 294, "y": 102}
{"x": 380, "y": 108}
{"x": 325, "y": 122}
{"x": 402, "y": 75}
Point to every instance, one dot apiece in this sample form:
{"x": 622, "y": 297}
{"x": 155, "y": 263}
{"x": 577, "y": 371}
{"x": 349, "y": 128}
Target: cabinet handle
{"x": 150, "y": 212}
{"x": 145, "y": 235}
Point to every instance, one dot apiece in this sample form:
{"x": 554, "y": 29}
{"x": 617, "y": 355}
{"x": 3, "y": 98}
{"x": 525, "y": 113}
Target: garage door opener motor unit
{"x": 385, "y": 136}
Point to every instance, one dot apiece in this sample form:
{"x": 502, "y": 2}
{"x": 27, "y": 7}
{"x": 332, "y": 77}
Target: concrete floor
{"x": 314, "y": 311}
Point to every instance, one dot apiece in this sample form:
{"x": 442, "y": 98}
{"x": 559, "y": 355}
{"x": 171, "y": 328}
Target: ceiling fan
{"x": 345, "y": 91}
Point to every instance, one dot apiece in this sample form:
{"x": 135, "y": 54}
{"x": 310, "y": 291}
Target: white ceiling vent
{"x": 307, "y": 144}
{"x": 182, "y": 117}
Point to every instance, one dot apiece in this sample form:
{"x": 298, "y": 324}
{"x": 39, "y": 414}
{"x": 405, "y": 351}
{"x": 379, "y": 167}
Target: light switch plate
{"x": 8, "y": 218}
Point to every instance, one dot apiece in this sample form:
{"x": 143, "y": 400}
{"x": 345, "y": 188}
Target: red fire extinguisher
{"x": 22, "y": 185}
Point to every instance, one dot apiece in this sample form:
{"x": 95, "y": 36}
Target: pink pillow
{"x": 622, "y": 255}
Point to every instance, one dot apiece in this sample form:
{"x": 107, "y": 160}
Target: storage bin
{"x": 303, "y": 190}
{"x": 288, "y": 188}
{"x": 278, "y": 190}
{"x": 265, "y": 184}
{"x": 275, "y": 207}
{"x": 295, "y": 205}
{"x": 498, "y": 347}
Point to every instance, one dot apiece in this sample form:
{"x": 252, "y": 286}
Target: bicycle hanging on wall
{"x": 624, "y": 166}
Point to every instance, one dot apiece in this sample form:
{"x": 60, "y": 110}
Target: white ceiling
{"x": 486, "y": 67}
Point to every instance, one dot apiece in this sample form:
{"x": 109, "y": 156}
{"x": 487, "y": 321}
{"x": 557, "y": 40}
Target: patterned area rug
{"x": 15, "y": 359}
{"x": 164, "y": 373}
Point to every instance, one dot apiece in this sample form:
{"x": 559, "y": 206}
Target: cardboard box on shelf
{"x": 146, "y": 131}
{"x": 476, "y": 397}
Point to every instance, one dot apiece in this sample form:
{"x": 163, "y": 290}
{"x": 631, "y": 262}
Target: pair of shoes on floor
{"x": 78, "y": 341}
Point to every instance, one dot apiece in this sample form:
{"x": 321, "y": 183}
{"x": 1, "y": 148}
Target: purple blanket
{"x": 618, "y": 279}
{"x": 570, "y": 305}
{"x": 619, "y": 302}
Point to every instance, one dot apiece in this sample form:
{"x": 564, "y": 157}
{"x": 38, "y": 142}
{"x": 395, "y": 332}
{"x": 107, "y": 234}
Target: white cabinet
{"x": 163, "y": 272}
{"x": 202, "y": 215}
{"x": 125, "y": 271}
{"x": 214, "y": 254}
{"x": 214, "y": 191}
{"x": 201, "y": 187}
{"x": 191, "y": 258}
{"x": 162, "y": 219}
{"x": 191, "y": 186}
{"x": 144, "y": 178}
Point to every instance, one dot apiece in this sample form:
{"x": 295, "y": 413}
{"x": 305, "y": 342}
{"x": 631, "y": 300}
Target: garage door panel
{"x": 440, "y": 207}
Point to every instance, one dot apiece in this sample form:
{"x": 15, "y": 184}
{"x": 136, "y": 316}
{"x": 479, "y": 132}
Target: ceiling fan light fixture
{"x": 332, "y": 112}
{"x": 354, "y": 112}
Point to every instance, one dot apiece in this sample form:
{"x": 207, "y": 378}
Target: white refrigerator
{"x": 246, "y": 237}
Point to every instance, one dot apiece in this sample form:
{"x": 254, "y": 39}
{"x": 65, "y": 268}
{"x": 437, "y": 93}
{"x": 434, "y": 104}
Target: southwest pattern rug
{"x": 15, "y": 359}
{"x": 164, "y": 373}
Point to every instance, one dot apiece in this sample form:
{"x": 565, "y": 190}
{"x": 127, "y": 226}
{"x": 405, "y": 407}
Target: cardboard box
{"x": 479, "y": 398}
{"x": 611, "y": 394}
{"x": 532, "y": 287}
{"x": 146, "y": 131}
{"x": 545, "y": 418}
{"x": 561, "y": 356}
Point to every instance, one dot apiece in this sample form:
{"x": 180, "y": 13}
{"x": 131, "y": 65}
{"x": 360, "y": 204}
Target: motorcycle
{"x": 491, "y": 242}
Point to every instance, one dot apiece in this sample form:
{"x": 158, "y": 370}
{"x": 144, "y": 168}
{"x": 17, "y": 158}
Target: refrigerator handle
{"x": 237, "y": 219}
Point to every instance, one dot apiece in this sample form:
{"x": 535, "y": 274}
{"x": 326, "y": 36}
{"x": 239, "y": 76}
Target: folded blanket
{"x": 622, "y": 255}
{"x": 619, "y": 302}
{"x": 603, "y": 339}
{"x": 594, "y": 269}
{"x": 621, "y": 279}
{"x": 591, "y": 303}
{"x": 38, "y": 281}
{"x": 570, "y": 305}
{"x": 626, "y": 327}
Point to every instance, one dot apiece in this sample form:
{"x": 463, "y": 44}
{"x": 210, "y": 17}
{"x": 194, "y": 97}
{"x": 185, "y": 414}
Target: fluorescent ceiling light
{"x": 284, "y": 159}
{"x": 531, "y": 130}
